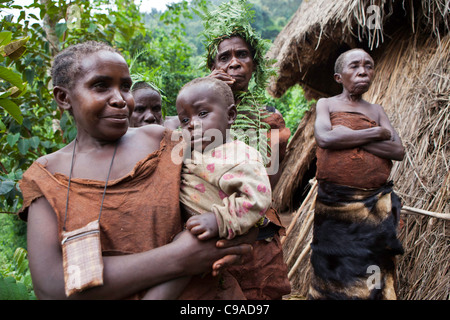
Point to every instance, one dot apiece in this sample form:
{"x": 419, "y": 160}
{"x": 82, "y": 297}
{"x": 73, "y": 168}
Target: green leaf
{"x": 5, "y": 94}
{"x": 12, "y": 290}
{"x": 92, "y": 27}
{"x": 23, "y": 146}
{"x": 11, "y": 76}
{"x": 60, "y": 29}
{"x": 29, "y": 75}
{"x": 5, "y": 37}
{"x": 34, "y": 142}
{"x": 16, "y": 49}
{"x": 2, "y": 126}
{"x": 12, "y": 139}
{"x": 20, "y": 259}
{"x": 6, "y": 186}
{"x": 12, "y": 108}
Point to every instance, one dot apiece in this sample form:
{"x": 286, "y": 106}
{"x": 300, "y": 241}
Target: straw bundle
{"x": 413, "y": 84}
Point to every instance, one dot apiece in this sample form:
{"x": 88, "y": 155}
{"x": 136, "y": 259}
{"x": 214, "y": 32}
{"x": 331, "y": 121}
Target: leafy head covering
{"x": 230, "y": 19}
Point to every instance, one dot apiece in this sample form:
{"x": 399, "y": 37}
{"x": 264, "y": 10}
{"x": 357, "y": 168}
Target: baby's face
{"x": 204, "y": 115}
{"x": 357, "y": 72}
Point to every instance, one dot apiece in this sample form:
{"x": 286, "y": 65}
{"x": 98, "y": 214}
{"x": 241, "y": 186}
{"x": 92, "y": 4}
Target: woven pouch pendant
{"x": 82, "y": 258}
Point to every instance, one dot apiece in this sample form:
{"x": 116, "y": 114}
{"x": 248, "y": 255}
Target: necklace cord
{"x": 70, "y": 178}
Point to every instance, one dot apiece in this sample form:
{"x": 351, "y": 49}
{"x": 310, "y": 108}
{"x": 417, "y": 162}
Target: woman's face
{"x": 357, "y": 72}
{"x": 235, "y": 58}
{"x": 147, "y": 108}
{"x": 100, "y": 100}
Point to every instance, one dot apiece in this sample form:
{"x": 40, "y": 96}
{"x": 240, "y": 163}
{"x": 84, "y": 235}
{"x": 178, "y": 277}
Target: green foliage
{"x": 169, "y": 58}
{"x": 292, "y": 106}
{"x": 15, "y": 278}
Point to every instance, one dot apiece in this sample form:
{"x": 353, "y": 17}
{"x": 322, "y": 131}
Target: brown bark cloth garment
{"x": 352, "y": 167}
{"x": 264, "y": 274}
{"x": 356, "y": 215}
{"x": 140, "y": 212}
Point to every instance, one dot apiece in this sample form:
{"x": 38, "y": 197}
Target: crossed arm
{"x": 382, "y": 141}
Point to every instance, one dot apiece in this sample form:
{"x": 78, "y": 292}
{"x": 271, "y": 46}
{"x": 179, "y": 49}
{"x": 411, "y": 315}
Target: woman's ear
{"x": 232, "y": 113}
{"x": 61, "y": 96}
{"x": 337, "y": 77}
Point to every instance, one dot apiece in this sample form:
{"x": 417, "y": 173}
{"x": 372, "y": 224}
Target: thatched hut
{"x": 410, "y": 44}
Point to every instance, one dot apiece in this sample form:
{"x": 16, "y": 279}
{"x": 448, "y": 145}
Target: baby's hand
{"x": 203, "y": 225}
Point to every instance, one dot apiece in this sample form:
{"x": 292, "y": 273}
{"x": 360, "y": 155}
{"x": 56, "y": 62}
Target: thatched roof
{"x": 412, "y": 82}
{"x": 320, "y": 30}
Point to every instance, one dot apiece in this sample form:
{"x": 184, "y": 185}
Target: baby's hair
{"x": 218, "y": 86}
{"x": 66, "y": 64}
{"x": 143, "y": 85}
{"x": 339, "y": 64}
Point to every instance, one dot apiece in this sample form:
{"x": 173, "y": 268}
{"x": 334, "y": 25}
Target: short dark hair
{"x": 66, "y": 64}
{"x": 339, "y": 64}
{"x": 143, "y": 85}
{"x": 218, "y": 86}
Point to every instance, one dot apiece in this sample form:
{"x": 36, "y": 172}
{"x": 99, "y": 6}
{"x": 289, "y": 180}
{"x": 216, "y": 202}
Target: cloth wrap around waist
{"x": 352, "y": 167}
{"x": 354, "y": 243}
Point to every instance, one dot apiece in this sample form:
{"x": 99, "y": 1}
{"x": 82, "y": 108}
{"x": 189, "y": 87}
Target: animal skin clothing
{"x": 230, "y": 181}
{"x": 141, "y": 211}
{"x": 355, "y": 236}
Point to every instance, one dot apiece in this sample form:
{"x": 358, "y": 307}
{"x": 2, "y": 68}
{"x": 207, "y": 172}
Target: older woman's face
{"x": 235, "y": 58}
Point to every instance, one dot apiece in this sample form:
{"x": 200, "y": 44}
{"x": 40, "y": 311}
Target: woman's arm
{"x": 123, "y": 275}
{"x": 388, "y": 149}
{"x": 341, "y": 137}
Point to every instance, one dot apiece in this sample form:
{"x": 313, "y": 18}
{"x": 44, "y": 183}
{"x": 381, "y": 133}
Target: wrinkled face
{"x": 235, "y": 58}
{"x": 204, "y": 115}
{"x": 100, "y": 100}
{"x": 357, "y": 72}
{"x": 147, "y": 108}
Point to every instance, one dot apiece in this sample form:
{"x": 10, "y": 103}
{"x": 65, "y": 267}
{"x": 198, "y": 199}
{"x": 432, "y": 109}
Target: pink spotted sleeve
{"x": 246, "y": 195}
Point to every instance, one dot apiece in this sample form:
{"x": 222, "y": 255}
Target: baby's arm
{"x": 203, "y": 225}
{"x": 249, "y": 196}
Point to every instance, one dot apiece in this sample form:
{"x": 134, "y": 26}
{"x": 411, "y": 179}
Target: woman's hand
{"x": 200, "y": 256}
{"x": 220, "y": 74}
{"x": 233, "y": 259}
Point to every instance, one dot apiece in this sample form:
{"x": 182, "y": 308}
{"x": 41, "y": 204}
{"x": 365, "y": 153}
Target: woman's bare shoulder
{"x": 56, "y": 161}
{"x": 154, "y": 132}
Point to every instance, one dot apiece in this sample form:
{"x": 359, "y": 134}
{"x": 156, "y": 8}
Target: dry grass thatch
{"x": 320, "y": 30}
{"x": 413, "y": 84}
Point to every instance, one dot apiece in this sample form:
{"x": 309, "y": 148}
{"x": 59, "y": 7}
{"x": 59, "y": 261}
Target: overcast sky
{"x": 146, "y": 5}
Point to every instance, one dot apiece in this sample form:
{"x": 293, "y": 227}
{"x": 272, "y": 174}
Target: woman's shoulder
{"x": 53, "y": 161}
{"x": 147, "y": 137}
{"x": 153, "y": 132}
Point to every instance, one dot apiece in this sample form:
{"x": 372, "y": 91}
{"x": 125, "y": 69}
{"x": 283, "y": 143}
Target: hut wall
{"x": 413, "y": 85}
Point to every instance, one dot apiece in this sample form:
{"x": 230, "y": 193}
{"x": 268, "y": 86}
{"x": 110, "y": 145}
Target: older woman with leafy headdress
{"x": 236, "y": 55}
